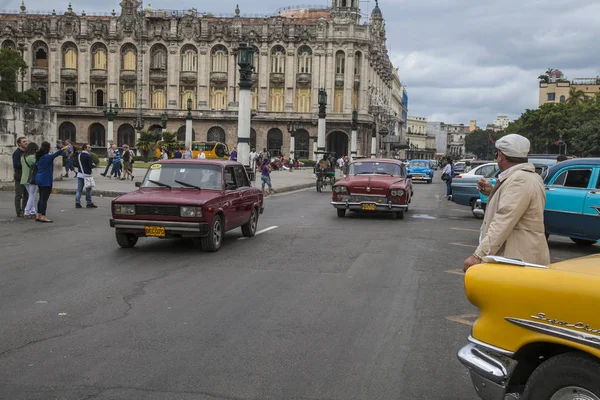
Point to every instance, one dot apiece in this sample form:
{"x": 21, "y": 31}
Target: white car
{"x": 479, "y": 171}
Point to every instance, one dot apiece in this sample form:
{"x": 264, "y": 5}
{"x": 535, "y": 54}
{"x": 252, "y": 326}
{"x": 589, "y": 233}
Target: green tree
{"x": 479, "y": 143}
{"x": 575, "y": 96}
{"x": 146, "y": 143}
{"x": 585, "y": 139}
{"x": 11, "y": 67}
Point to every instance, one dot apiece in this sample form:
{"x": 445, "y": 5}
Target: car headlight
{"x": 397, "y": 192}
{"x": 340, "y": 189}
{"x": 124, "y": 209}
{"x": 190, "y": 212}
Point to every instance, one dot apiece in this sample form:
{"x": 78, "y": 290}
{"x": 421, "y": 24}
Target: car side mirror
{"x": 138, "y": 184}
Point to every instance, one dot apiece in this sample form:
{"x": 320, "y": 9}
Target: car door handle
{"x": 549, "y": 188}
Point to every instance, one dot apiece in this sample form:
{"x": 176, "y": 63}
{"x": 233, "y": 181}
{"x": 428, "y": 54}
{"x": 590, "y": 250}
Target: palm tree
{"x": 576, "y": 96}
{"x": 146, "y": 143}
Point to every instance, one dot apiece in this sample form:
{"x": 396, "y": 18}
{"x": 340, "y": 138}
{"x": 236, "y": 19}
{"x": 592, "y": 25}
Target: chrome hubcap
{"x": 574, "y": 393}
{"x": 253, "y": 221}
{"x": 217, "y": 232}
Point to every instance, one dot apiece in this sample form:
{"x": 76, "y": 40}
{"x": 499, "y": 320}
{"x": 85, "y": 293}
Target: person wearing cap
{"x": 513, "y": 226}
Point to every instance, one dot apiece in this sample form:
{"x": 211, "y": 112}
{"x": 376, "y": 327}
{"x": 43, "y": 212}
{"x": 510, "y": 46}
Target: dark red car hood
{"x": 178, "y": 196}
{"x": 376, "y": 184}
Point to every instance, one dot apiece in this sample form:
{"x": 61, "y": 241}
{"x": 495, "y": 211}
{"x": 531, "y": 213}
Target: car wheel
{"x": 249, "y": 228}
{"x": 126, "y": 240}
{"x": 583, "y": 242}
{"x": 569, "y": 376}
{"x": 212, "y": 242}
{"x": 400, "y": 215}
{"x": 429, "y": 180}
{"x": 473, "y": 207}
{"x": 341, "y": 212}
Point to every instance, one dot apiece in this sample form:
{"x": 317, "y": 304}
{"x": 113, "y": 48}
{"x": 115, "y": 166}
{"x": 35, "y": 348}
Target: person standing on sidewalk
{"x": 187, "y": 153}
{"x": 110, "y": 157}
{"x": 21, "y": 195}
{"x": 45, "y": 177}
{"x": 70, "y": 159}
{"x": 86, "y": 166}
{"x": 265, "y": 176}
{"x": 127, "y": 161}
{"x": 28, "y": 162}
{"x": 116, "y": 170}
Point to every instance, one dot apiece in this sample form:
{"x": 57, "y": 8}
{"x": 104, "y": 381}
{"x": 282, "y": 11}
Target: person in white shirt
{"x": 187, "y": 153}
{"x": 201, "y": 155}
{"x": 253, "y": 157}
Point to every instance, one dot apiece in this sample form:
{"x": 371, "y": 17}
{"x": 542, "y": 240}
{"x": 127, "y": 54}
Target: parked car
{"x": 374, "y": 185}
{"x": 188, "y": 198}
{"x": 420, "y": 170}
{"x": 459, "y": 166}
{"x": 464, "y": 186}
{"x": 537, "y": 336}
{"x": 434, "y": 164}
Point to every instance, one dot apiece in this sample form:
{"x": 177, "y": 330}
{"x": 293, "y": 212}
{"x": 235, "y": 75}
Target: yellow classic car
{"x": 538, "y": 333}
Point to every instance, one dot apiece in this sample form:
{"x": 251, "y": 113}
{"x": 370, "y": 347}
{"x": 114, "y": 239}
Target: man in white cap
{"x": 513, "y": 226}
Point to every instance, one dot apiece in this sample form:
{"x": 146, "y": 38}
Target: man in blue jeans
{"x": 85, "y": 169}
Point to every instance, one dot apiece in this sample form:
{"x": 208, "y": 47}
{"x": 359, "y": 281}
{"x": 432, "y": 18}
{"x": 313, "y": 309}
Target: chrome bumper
{"x": 478, "y": 210}
{"x": 138, "y": 226}
{"x": 490, "y": 368}
{"x": 379, "y": 207}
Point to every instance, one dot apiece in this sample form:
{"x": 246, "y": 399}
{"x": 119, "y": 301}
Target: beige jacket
{"x": 514, "y": 218}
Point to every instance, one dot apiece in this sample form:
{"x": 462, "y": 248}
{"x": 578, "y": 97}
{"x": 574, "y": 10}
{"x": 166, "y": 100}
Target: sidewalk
{"x": 283, "y": 181}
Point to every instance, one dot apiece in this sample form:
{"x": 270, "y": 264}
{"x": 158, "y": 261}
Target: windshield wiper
{"x": 159, "y": 183}
{"x": 363, "y": 173}
{"x": 384, "y": 173}
{"x": 187, "y": 184}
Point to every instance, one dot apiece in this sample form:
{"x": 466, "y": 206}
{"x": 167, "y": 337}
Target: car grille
{"x": 145, "y": 209}
{"x": 359, "y": 198}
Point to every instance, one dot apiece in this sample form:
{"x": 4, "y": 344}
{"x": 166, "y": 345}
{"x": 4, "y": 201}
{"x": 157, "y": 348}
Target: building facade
{"x": 555, "y": 88}
{"x": 502, "y": 121}
{"x": 421, "y": 143}
{"x": 152, "y": 62}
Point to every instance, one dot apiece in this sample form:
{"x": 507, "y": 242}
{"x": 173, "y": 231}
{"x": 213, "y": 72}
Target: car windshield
{"x": 204, "y": 176}
{"x": 494, "y": 173}
{"x": 419, "y": 164}
{"x": 384, "y": 168}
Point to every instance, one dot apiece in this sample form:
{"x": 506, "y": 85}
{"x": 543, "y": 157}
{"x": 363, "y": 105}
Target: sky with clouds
{"x": 459, "y": 59}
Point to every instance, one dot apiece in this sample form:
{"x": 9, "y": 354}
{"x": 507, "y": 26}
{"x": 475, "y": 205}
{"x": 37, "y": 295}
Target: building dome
{"x": 556, "y": 73}
{"x": 376, "y": 11}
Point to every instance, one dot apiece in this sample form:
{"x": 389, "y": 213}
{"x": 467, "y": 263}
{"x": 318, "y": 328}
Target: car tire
{"x": 429, "y": 180}
{"x": 249, "y": 228}
{"x": 583, "y": 242}
{"x": 212, "y": 242}
{"x": 400, "y": 215}
{"x": 473, "y": 203}
{"x": 341, "y": 212}
{"x": 571, "y": 373}
{"x": 126, "y": 240}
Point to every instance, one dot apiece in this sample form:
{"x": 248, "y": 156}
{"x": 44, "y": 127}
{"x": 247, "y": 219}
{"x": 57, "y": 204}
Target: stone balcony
{"x": 68, "y": 74}
{"x": 339, "y": 80}
{"x": 218, "y": 78}
{"x": 129, "y": 75}
{"x": 188, "y": 77}
{"x": 98, "y": 75}
{"x": 39, "y": 73}
{"x": 277, "y": 79}
{"x": 303, "y": 80}
{"x": 158, "y": 76}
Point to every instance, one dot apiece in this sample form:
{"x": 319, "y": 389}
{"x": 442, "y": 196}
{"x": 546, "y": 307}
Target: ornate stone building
{"x": 150, "y": 62}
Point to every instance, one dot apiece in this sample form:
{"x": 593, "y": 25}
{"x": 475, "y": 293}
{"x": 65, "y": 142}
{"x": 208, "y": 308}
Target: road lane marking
{"x": 423, "y": 216}
{"x": 457, "y": 271}
{"x": 461, "y": 319}
{"x": 466, "y": 229}
{"x": 261, "y": 231}
{"x": 464, "y": 245}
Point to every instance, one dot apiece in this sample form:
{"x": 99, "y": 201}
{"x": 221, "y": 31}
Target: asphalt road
{"x": 319, "y": 307}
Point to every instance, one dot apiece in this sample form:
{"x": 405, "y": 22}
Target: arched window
{"x": 158, "y": 98}
{"x": 278, "y": 60}
{"x": 158, "y": 57}
{"x": 563, "y": 99}
{"x": 304, "y": 60}
{"x": 215, "y": 134}
{"x": 189, "y": 58}
{"x": 9, "y": 44}
{"x": 218, "y": 98}
{"x": 219, "y": 58}
{"x": 40, "y": 54}
{"x": 301, "y": 144}
{"x": 274, "y": 142}
{"x": 128, "y": 57}
{"x": 357, "y": 63}
{"x": 128, "y": 97}
{"x": 67, "y": 131}
{"x": 252, "y": 138}
{"x": 185, "y": 95}
{"x": 126, "y": 135}
{"x": 69, "y": 51}
{"x": 340, "y": 62}
{"x": 99, "y": 60}
{"x": 97, "y": 135}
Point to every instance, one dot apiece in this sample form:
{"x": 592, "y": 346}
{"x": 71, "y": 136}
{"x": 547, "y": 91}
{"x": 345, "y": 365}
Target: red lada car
{"x": 374, "y": 185}
{"x": 188, "y": 199}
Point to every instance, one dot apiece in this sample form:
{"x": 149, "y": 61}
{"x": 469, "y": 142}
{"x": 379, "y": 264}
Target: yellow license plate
{"x": 156, "y": 231}
{"x": 368, "y": 207}
{"x": 417, "y": 177}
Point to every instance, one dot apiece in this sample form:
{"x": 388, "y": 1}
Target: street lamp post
{"x": 374, "y": 140}
{"x": 111, "y": 112}
{"x": 292, "y": 129}
{"x": 321, "y": 127}
{"x": 246, "y": 64}
{"x": 188, "y": 124}
{"x": 353, "y": 138}
{"x": 163, "y": 119}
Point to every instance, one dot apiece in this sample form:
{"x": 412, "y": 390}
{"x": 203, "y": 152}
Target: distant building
{"x": 421, "y": 144}
{"x": 437, "y": 130}
{"x": 557, "y": 88}
{"x": 502, "y": 121}
{"x": 473, "y": 125}
{"x": 493, "y": 127}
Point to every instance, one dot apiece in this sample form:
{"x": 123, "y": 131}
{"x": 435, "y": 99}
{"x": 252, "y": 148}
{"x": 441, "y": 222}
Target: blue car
{"x": 421, "y": 170}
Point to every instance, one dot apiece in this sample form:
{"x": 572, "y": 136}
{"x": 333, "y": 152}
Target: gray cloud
{"x": 460, "y": 59}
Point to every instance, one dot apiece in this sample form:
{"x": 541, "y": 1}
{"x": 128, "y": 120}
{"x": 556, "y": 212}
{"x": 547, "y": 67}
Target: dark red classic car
{"x": 374, "y": 185}
{"x": 188, "y": 198}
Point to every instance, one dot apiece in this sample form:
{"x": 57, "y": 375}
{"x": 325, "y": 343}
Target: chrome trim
{"x": 378, "y": 206}
{"x": 557, "y": 331}
{"x": 483, "y": 364}
{"x": 512, "y": 261}
{"x": 490, "y": 347}
{"x": 170, "y": 225}
{"x": 564, "y": 212}
{"x": 597, "y": 208}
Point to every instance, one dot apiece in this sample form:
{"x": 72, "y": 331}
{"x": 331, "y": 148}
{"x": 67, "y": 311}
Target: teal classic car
{"x": 572, "y": 200}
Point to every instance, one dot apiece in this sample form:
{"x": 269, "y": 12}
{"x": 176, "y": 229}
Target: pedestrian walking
{"x": 21, "y": 195}
{"x": 45, "y": 176}
{"x": 28, "y": 163}
{"x": 70, "y": 159}
{"x": 116, "y": 171}
{"x": 110, "y": 157}
{"x": 265, "y": 176}
{"x": 447, "y": 176}
{"x": 187, "y": 153}
{"x": 85, "y": 179}
{"x": 127, "y": 162}
{"x": 233, "y": 155}
{"x": 253, "y": 157}
{"x": 513, "y": 225}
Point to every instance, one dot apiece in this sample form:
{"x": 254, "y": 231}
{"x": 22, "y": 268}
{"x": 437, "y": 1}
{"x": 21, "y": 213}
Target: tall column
{"x": 245, "y": 62}
{"x": 188, "y": 131}
{"x": 292, "y": 147}
{"x": 321, "y": 127}
{"x": 353, "y": 137}
{"x": 374, "y": 141}
{"x": 314, "y": 142}
{"x": 111, "y": 131}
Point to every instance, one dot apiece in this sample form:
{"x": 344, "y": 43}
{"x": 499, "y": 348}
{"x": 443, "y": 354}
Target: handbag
{"x": 445, "y": 176}
{"x": 88, "y": 180}
{"x": 32, "y": 172}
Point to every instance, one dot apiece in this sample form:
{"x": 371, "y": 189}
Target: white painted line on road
{"x": 423, "y": 216}
{"x": 466, "y": 229}
{"x": 41, "y": 302}
{"x": 463, "y": 245}
{"x": 261, "y": 231}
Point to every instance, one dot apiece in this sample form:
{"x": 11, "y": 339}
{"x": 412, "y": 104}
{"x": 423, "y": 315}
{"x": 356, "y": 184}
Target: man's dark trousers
{"x": 21, "y": 195}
